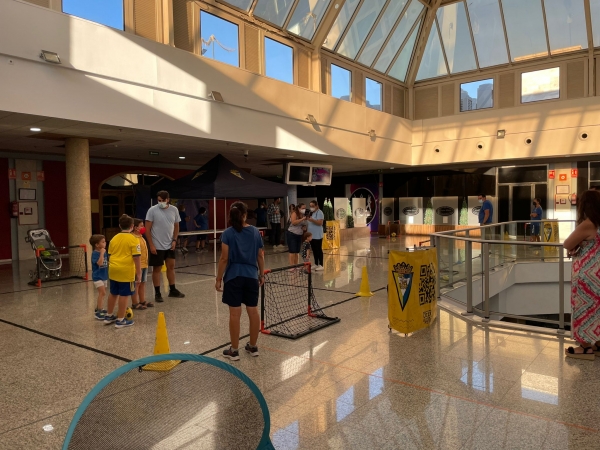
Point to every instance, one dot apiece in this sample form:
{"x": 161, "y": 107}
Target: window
{"x": 241, "y": 4}
{"x": 567, "y": 29}
{"x": 454, "y": 30}
{"x": 274, "y": 11}
{"x": 219, "y": 39}
{"x": 307, "y": 17}
{"x": 488, "y": 32}
{"x": 595, "y": 9}
{"x": 374, "y": 92}
{"x": 540, "y": 85}
{"x": 341, "y": 83}
{"x": 525, "y": 29}
{"x": 107, "y": 12}
{"x": 477, "y": 95}
{"x": 279, "y": 61}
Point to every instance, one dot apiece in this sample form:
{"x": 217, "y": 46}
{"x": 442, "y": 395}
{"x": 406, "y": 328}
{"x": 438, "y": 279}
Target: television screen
{"x": 299, "y": 174}
{"x": 321, "y": 175}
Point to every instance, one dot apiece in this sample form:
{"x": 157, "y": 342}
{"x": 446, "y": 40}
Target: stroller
{"x": 49, "y": 262}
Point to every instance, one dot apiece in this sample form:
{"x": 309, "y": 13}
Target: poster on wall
{"x": 411, "y": 210}
{"x": 359, "y": 211}
{"x": 387, "y": 210}
{"x": 340, "y": 210}
{"x": 370, "y": 193}
{"x": 445, "y": 210}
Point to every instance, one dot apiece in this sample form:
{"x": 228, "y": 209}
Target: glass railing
{"x": 467, "y": 258}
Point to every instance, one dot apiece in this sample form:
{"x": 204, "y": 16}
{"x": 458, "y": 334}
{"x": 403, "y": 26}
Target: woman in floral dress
{"x": 584, "y": 245}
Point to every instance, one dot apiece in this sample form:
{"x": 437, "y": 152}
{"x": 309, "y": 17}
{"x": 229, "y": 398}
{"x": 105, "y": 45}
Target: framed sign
{"x": 27, "y": 194}
{"x": 563, "y": 189}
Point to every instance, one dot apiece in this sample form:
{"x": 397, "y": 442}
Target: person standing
{"x": 315, "y": 227}
{"x": 183, "y": 227}
{"x": 201, "y": 223}
{"x": 536, "y": 220}
{"x": 239, "y": 276}
{"x": 584, "y": 245}
{"x": 294, "y": 233}
{"x": 162, "y": 229}
{"x": 261, "y": 215}
{"x": 486, "y": 215}
{"x": 274, "y": 215}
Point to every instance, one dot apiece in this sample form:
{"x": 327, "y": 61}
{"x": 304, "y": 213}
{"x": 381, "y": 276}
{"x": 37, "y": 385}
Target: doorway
{"x": 515, "y": 202}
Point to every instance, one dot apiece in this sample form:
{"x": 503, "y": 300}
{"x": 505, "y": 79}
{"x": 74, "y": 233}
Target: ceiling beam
{"x": 429, "y": 22}
{"x": 327, "y": 22}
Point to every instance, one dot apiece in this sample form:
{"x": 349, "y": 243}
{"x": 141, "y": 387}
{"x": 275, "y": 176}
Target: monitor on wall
{"x": 309, "y": 174}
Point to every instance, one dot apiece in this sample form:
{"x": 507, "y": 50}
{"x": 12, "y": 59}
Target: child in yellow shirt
{"x": 138, "y": 299}
{"x": 124, "y": 271}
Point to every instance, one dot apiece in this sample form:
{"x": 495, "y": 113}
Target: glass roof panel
{"x": 241, "y": 4}
{"x": 274, "y": 11}
{"x": 488, "y": 32}
{"x": 432, "y": 64}
{"x": 307, "y": 17}
{"x": 340, "y": 24}
{"x": 400, "y": 67}
{"x": 382, "y": 31}
{"x": 525, "y": 29}
{"x": 595, "y": 8}
{"x": 399, "y": 35}
{"x": 567, "y": 29}
{"x": 456, "y": 37}
{"x": 362, "y": 24}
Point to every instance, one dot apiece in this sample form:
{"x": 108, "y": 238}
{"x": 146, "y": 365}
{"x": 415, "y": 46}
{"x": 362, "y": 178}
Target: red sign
{"x": 26, "y": 176}
{"x": 380, "y": 184}
{"x": 574, "y": 173}
{"x": 551, "y": 174}
{"x": 40, "y": 175}
{"x": 12, "y": 174}
{"x": 562, "y": 177}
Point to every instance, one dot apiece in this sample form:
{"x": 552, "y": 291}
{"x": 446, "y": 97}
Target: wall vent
{"x": 506, "y": 90}
{"x": 398, "y": 95}
{"x": 183, "y": 25}
{"x": 144, "y": 16}
{"x": 303, "y": 69}
{"x": 575, "y": 79}
{"x": 448, "y": 101}
{"x": 426, "y": 103}
{"x": 251, "y": 48}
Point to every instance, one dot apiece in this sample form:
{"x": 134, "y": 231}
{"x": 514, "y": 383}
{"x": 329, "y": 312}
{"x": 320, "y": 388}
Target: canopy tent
{"x": 219, "y": 179}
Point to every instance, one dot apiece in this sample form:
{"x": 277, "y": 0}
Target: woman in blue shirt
{"x": 241, "y": 269}
{"x": 536, "y": 219}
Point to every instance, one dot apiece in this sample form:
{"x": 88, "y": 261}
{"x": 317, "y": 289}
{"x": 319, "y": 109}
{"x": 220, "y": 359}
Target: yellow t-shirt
{"x": 144, "y": 250}
{"x": 123, "y": 247}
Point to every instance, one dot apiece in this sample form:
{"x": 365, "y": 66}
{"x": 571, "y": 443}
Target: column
{"x": 79, "y": 208}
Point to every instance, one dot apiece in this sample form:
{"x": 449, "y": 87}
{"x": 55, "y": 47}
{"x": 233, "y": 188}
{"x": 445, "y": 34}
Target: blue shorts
{"x": 241, "y": 290}
{"x": 294, "y": 242}
{"x": 122, "y": 288}
{"x": 535, "y": 229}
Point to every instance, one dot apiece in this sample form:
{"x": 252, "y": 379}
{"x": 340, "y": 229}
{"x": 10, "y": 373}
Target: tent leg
{"x": 215, "y": 229}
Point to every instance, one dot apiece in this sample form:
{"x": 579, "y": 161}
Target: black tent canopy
{"x": 220, "y": 178}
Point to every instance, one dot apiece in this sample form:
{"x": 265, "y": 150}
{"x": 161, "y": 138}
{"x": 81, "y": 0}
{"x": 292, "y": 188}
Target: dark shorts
{"x": 159, "y": 259}
{"x": 122, "y": 288}
{"x": 294, "y": 242}
{"x": 535, "y": 229}
{"x": 241, "y": 290}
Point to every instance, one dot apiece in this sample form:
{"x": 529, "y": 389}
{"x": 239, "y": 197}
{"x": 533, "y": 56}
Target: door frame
{"x": 510, "y": 194}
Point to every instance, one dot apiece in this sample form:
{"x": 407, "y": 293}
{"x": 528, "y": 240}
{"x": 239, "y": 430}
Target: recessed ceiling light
{"x": 391, "y": 168}
{"x": 289, "y": 156}
{"x": 35, "y": 129}
{"x": 182, "y": 157}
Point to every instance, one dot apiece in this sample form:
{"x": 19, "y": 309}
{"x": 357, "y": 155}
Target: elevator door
{"x": 522, "y": 200}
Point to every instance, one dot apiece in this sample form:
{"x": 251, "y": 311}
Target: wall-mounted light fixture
{"x": 216, "y": 96}
{"x": 311, "y": 118}
{"x": 500, "y": 134}
{"x": 50, "y": 57}
{"x": 372, "y": 134}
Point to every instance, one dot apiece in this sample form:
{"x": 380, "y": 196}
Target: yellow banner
{"x": 549, "y": 231}
{"x": 331, "y": 238}
{"x": 412, "y": 300}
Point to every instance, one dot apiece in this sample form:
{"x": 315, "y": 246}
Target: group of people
{"x": 131, "y": 252}
{"x": 200, "y": 222}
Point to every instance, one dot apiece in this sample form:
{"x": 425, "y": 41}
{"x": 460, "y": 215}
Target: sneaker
{"x": 109, "y": 319}
{"x": 175, "y": 293}
{"x": 198, "y": 250}
{"x": 318, "y": 268}
{"x": 232, "y": 355}
{"x": 252, "y": 350}
{"x": 184, "y": 250}
{"x": 100, "y": 314}
{"x": 158, "y": 298}
{"x": 123, "y": 323}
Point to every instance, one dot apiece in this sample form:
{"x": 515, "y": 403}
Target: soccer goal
{"x": 59, "y": 263}
{"x": 289, "y": 307}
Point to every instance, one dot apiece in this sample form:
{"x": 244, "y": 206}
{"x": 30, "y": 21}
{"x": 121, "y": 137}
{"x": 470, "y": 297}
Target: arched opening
{"x": 124, "y": 193}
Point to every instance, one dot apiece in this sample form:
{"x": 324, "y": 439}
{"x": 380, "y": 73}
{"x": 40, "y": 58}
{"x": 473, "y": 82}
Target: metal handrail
{"x": 485, "y": 255}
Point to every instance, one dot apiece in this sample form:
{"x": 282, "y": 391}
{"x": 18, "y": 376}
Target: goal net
{"x": 289, "y": 307}
{"x": 59, "y": 263}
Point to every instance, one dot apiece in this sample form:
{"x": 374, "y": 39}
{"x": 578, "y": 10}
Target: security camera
{"x": 246, "y": 153}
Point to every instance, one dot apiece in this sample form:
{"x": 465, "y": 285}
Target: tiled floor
{"x": 351, "y": 385}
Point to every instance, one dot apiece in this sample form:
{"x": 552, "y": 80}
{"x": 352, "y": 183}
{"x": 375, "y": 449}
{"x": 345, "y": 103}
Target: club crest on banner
{"x": 237, "y": 174}
{"x": 403, "y": 277}
{"x": 199, "y": 174}
{"x": 548, "y": 231}
{"x": 340, "y": 214}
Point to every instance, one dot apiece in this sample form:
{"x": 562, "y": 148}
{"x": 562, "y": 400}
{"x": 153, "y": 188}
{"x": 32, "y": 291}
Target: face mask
{"x": 534, "y": 204}
{"x": 142, "y": 230}
{"x": 163, "y": 205}
{"x": 302, "y": 211}
{"x": 313, "y": 209}
{"x": 480, "y": 201}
